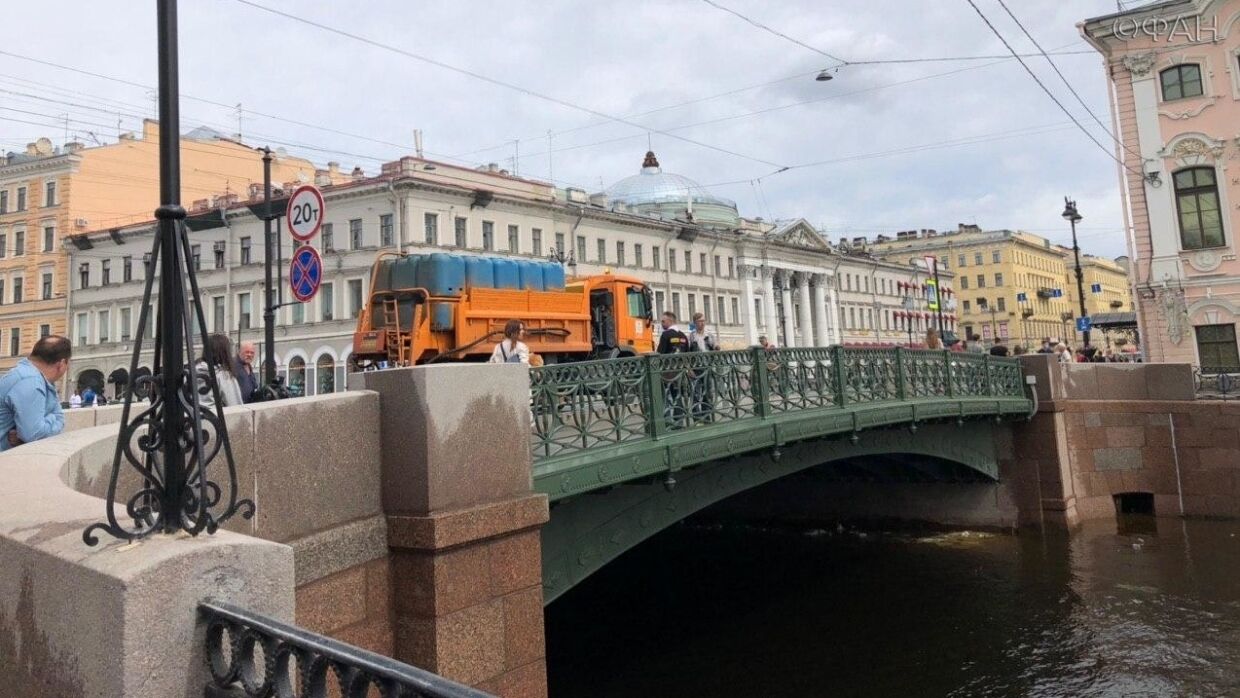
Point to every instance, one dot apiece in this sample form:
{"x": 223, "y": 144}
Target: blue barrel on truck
{"x": 479, "y": 272}
{"x": 507, "y": 275}
{"x": 531, "y": 275}
{"x": 553, "y": 276}
{"x": 442, "y": 274}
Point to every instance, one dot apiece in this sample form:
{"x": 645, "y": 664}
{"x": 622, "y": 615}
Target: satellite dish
{"x": 43, "y": 146}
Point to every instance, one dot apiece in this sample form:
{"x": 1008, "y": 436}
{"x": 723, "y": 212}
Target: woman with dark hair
{"x": 218, "y": 352}
{"x": 511, "y": 350}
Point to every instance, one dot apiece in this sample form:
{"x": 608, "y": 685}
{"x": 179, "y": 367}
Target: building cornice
{"x": 17, "y": 170}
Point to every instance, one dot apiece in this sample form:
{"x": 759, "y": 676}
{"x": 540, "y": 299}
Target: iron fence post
{"x": 901, "y": 376}
{"x": 990, "y": 384}
{"x": 760, "y": 387}
{"x": 841, "y": 386}
{"x": 950, "y": 383}
{"x": 654, "y": 395}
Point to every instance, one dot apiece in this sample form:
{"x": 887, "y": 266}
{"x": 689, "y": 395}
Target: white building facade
{"x": 747, "y": 278}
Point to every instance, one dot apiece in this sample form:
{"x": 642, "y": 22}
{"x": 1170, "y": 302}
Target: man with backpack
{"x": 673, "y": 341}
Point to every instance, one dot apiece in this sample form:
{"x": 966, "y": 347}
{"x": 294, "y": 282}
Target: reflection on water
{"x": 711, "y": 610}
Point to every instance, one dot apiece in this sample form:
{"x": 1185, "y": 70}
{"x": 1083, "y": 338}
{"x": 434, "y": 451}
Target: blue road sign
{"x": 305, "y": 273}
{"x": 1022, "y": 297}
{"x": 1096, "y": 288}
{"x": 1083, "y": 324}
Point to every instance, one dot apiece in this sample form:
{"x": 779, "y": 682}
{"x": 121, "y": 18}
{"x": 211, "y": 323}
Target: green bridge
{"x": 653, "y": 439}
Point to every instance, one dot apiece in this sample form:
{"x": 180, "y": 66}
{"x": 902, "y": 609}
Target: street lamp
{"x": 1071, "y": 215}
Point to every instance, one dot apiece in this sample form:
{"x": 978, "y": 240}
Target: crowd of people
{"x": 1050, "y": 345}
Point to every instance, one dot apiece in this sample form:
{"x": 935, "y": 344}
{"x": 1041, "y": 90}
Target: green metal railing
{"x": 583, "y": 407}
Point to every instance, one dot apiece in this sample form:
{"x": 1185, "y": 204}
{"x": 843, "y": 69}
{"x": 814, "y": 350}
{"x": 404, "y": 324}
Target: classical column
{"x": 785, "y": 287}
{"x": 770, "y": 286}
{"x": 807, "y": 322}
{"x": 822, "y": 337}
{"x": 833, "y": 309}
{"x": 751, "y": 322}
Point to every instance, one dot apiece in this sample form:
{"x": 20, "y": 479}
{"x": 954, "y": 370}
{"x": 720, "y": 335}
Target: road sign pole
{"x": 269, "y": 311}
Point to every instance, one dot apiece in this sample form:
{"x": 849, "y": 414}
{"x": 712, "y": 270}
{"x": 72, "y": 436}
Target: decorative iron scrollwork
{"x": 166, "y": 449}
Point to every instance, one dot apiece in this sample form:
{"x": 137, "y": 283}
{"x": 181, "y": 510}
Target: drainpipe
{"x": 64, "y": 380}
{"x": 874, "y": 302}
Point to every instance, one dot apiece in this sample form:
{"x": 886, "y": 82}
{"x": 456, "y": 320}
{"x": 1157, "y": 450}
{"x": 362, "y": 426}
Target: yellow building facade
{"x": 49, "y": 194}
{"x": 1011, "y": 286}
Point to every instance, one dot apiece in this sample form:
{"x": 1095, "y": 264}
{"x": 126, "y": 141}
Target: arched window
{"x": 1180, "y": 81}
{"x": 325, "y": 367}
{"x": 297, "y": 376}
{"x": 1196, "y": 201}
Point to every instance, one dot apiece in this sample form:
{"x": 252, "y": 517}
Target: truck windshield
{"x": 638, "y": 305}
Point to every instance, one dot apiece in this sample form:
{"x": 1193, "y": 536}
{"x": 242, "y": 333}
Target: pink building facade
{"x": 1174, "y": 72}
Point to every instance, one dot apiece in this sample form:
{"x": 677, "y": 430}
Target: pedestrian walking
{"x": 218, "y": 352}
{"x": 974, "y": 345}
{"x": 510, "y": 349}
{"x": 29, "y": 404}
{"x": 933, "y": 341}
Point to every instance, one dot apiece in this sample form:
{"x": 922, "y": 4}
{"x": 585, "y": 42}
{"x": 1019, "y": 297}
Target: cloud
{"x": 623, "y": 59}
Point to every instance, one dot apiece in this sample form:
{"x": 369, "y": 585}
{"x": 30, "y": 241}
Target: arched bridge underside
{"x": 627, "y": 447}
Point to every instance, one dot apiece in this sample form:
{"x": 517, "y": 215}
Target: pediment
{"x": 800, "y": 233}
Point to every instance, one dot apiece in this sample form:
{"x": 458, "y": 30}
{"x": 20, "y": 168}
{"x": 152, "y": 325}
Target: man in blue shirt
{"x": 29, "y": 403}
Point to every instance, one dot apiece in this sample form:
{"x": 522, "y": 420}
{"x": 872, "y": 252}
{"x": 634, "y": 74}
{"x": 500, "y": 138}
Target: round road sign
{"x": 305, "y": 212}
{"x": 305, "y": 273}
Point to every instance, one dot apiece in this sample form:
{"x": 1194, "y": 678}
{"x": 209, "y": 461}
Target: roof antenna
{"x": 649, "y": 144}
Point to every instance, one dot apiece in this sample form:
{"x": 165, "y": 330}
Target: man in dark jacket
{"x": 243, "y": 369}
{"x": 672, "y": 340}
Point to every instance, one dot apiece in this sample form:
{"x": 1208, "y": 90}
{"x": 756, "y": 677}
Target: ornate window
{"x": 325, "y": 367}
{"x": 1180, "y": 81}
{"x": 1216, "y": 348}
{"x": 1197, "y": 203}
{"x": 297, "y": 376}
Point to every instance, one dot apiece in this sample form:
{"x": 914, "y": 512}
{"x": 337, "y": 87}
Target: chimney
{"x": 322, "y": 178}
{"x": 492, "y": 167}
{"x": 358, "y": 174}
{"x": 256, "y": 191}
{"x": 73, "y": 147}
{"x": 127, "y": 136}
{"x": 150, "y": 130}
{"x": 333, "y": 169}
{"x": 31, "y": 149}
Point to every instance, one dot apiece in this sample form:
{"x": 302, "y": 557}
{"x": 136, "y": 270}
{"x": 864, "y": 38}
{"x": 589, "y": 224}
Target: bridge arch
{"x": 588, "y": 531}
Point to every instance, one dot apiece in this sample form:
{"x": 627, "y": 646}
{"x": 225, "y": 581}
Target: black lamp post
{"x": 1071, "y": 215}
{"x": 165, "y": 449}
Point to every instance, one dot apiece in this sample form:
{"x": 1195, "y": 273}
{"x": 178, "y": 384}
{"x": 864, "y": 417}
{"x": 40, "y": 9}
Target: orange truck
{"x": 448, "y": 307}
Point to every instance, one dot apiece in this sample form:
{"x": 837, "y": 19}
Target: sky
{"x": 878, "y": 149}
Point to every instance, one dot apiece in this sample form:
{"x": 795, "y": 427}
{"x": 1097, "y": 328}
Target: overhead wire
{"x": 496, "y": 81}
{"x": 1066, "y": 83}
{"x": 776, "y": 32}
{"x": 1111, "y": 154}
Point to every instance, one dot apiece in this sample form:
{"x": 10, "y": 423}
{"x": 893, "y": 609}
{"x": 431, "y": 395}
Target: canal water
{"x": 1144, "y": 608}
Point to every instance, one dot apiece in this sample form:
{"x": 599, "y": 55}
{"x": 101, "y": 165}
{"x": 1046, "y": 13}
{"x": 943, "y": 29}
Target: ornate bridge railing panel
{"x": 925, "y": 374}
{"x": 264, "y": 657}
{"x": 705, "y": 387}
{"x": 970, "y": 377}
{"x": 871, "y": 375}
{"x": 801, "y": 379}
{"x": 602, "y": 422}
{"x": 584, "y": 405}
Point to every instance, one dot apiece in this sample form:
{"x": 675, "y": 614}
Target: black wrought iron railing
{"x": 1217, "y": 382}
{"x": 260, "y": 657}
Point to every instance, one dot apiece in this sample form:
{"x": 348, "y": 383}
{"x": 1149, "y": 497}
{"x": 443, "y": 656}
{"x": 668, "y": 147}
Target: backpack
{"x": 515, "y": 358}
